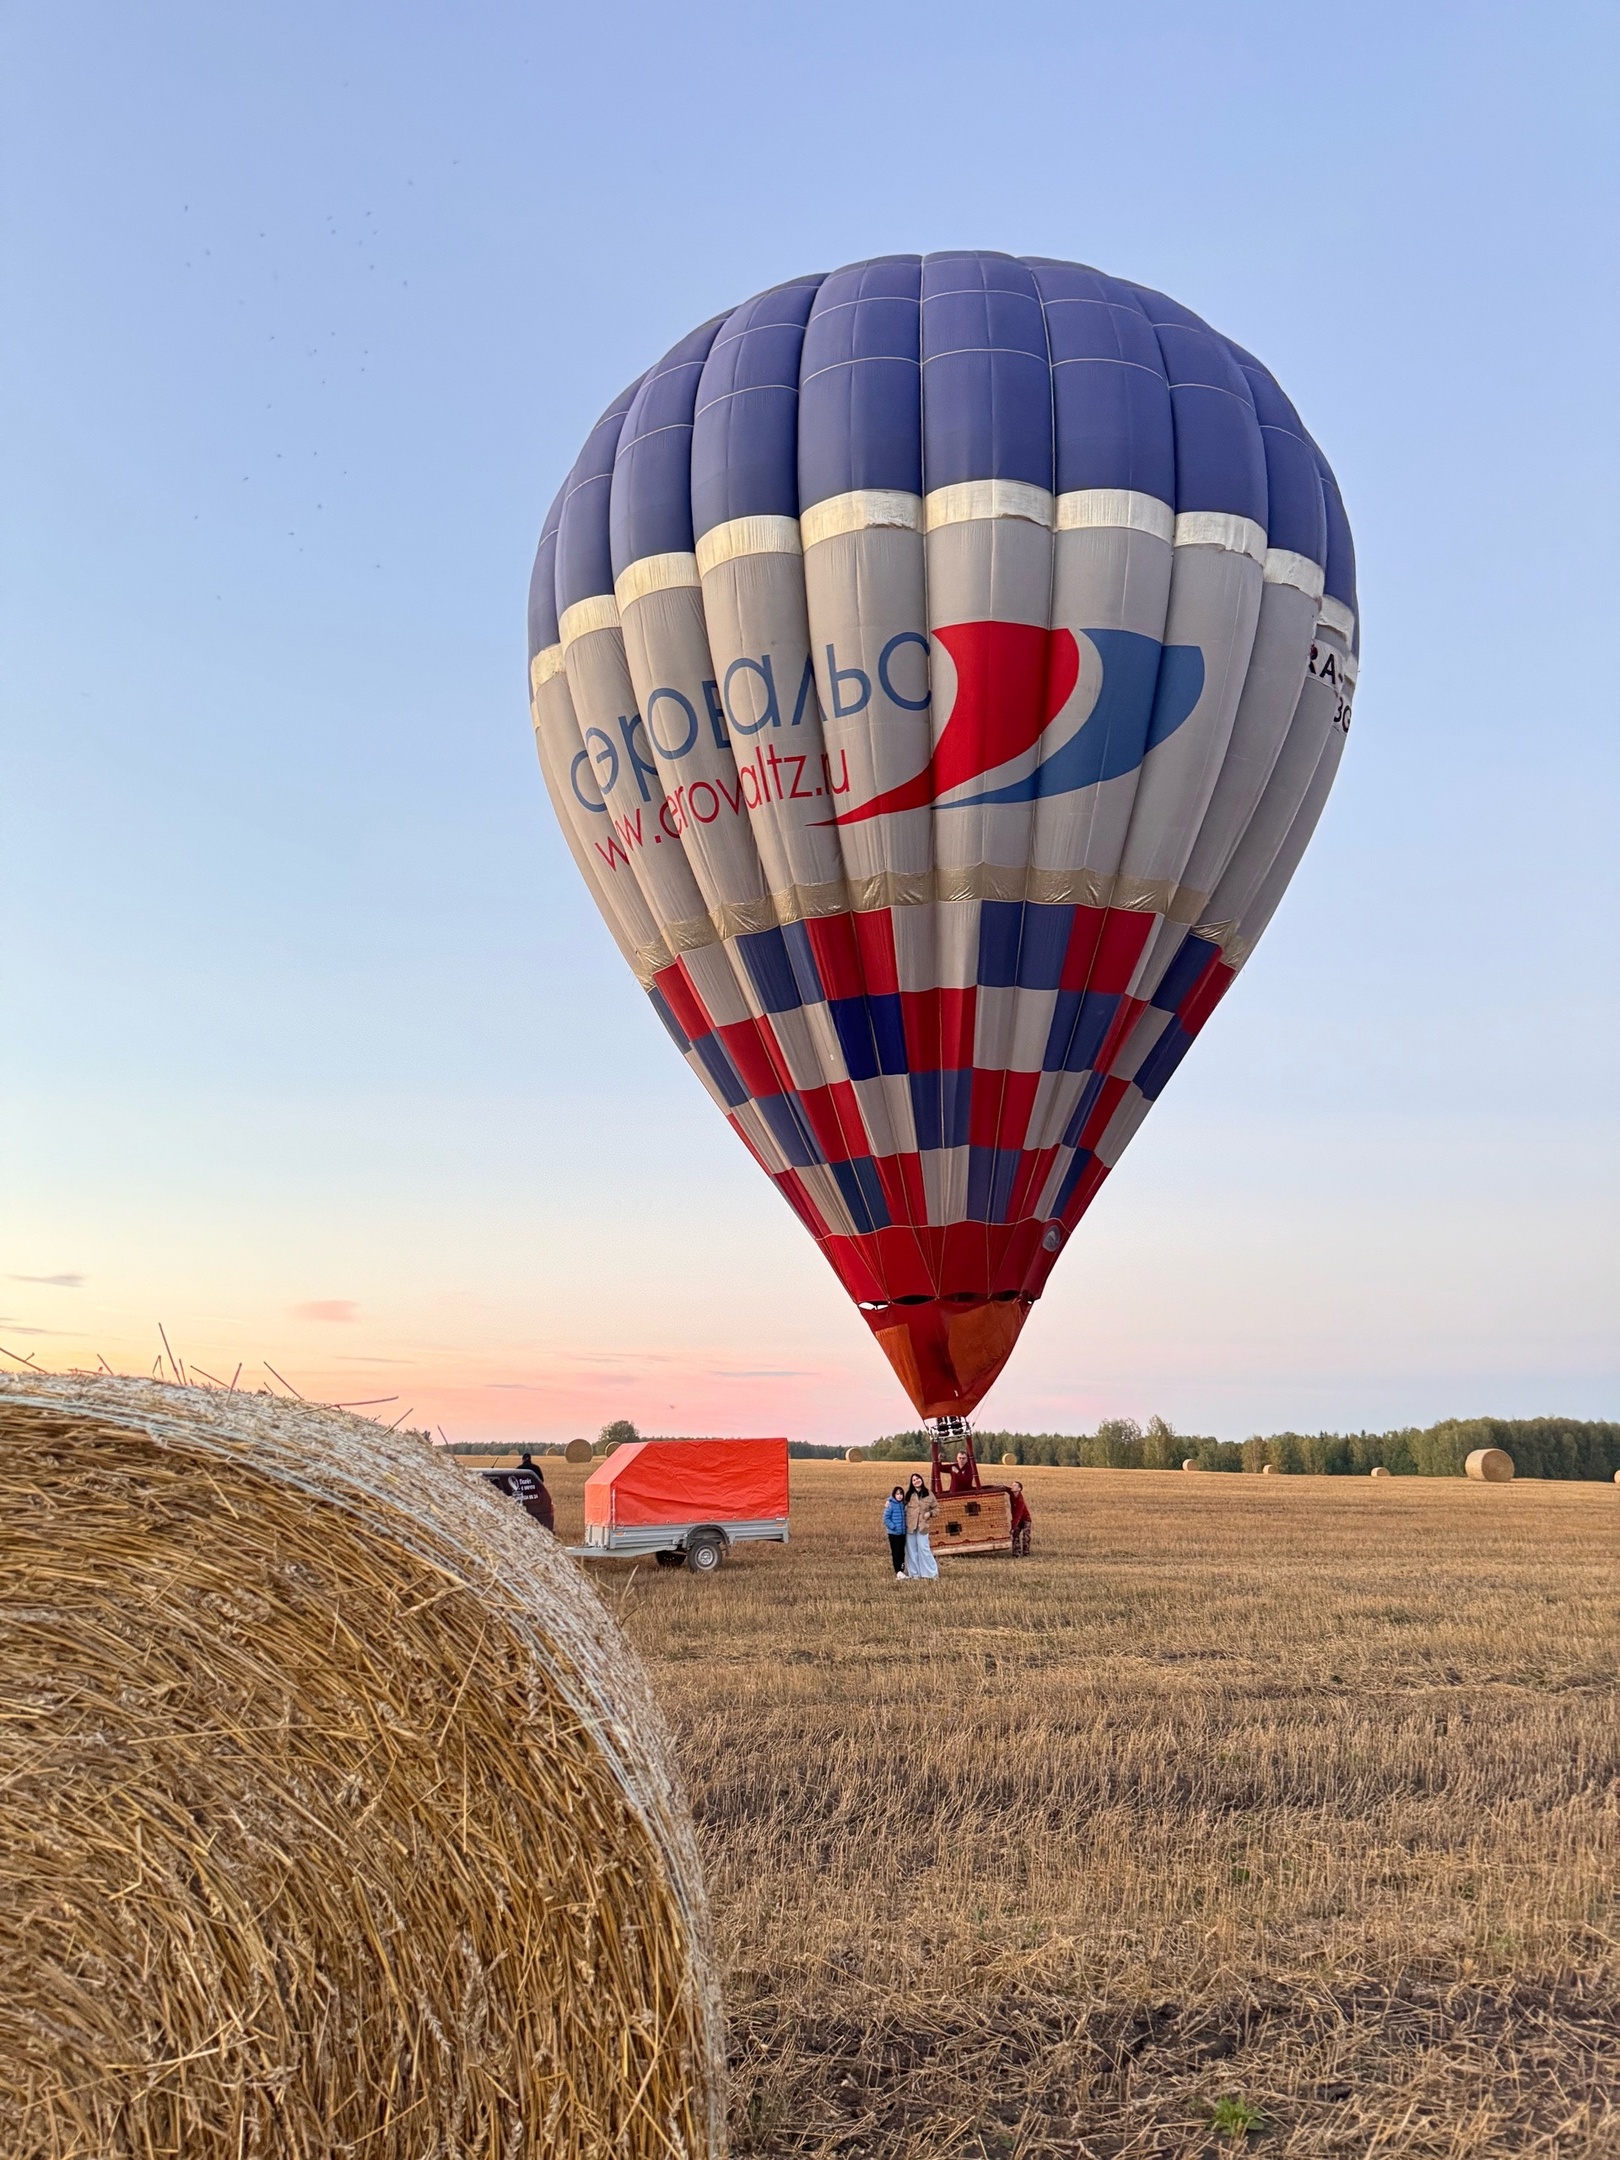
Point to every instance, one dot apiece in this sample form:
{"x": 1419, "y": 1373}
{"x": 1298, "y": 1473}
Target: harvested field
{"x": 1300, "y": 1794}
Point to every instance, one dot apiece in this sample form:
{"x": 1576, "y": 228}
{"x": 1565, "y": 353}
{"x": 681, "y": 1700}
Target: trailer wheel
{"x": 705, "y": 1552}
{"x": 670, "y": 1559}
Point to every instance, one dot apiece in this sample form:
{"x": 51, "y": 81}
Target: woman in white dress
{"x": 921, "y": 1508}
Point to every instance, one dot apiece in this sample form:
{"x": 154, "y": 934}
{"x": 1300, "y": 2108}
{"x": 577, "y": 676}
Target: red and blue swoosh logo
{"x": 1013, "y": 680}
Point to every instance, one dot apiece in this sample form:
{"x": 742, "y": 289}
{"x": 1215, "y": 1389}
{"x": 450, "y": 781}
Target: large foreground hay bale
{"x": 577, "y": 1451}
{"x": 335, "y": 1817}
{"x": 1490, "y": 1465}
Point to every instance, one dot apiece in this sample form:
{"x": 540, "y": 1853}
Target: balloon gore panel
{"x": 938, "y": 670}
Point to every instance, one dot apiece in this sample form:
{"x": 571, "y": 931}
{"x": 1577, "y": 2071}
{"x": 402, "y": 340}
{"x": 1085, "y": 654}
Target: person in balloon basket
{"x": 1023, "y": 1523}
{"x": 894, "y": 1524}
{"x": 921, "y": 1508}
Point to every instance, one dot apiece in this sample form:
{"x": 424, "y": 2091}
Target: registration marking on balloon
{"x": 937, "y": 723}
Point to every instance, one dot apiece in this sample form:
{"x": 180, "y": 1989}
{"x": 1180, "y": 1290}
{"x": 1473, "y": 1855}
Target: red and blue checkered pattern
{"x": 918, "y": 1152}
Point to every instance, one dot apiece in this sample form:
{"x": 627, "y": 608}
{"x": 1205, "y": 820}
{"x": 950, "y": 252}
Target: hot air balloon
{"x": 938, "y": 669}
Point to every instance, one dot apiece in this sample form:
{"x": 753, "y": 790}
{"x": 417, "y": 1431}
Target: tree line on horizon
{"x": 1540, "y": 1448}
{"x": 621, "y": 1433}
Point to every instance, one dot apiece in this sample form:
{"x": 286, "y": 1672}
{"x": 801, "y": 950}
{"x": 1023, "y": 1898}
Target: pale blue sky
{"x": 306, "y": 311}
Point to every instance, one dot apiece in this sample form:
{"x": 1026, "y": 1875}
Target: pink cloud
{"x": 336, "y": 1308}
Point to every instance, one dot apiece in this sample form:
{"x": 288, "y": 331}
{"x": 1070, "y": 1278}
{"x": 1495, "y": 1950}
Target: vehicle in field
{"x": 686, "y": 1502}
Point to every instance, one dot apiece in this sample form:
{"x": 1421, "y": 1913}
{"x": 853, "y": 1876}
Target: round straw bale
{"x": 1268, "y": 1469}
{"x": 1189, "y": 1462}
{"x": 1490, "y": 1465}
{"x": 577, "y": 1451}
{"x": 854, "y": 1454}
{"x": 1009, "y": 1462}
{"x": 335, "y": 1816}
{"x": 1378, "y": 1470}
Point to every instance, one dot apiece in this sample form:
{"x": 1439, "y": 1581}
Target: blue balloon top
{"x": 912, "y": 373}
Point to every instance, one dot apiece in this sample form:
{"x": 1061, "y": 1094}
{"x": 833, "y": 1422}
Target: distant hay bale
{"x": 335, "y": 1816}
{"x": 854, "y": 1454}
{"x": 1268, "y": 1469}
{"x": 1189, "y": 1462}
{"x": 1009, "y": 1462}
{"x": 577, "y": 1451}
{"x": 1490, "y": 1466}
{"x": 1378, "y": 1470}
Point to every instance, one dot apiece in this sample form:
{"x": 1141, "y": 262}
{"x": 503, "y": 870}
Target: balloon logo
{"x": 938, "y": 670}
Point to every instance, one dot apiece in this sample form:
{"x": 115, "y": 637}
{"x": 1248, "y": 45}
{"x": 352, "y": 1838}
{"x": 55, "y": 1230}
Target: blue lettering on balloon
{"x": 906, "y": 704}
{"x": 837, "y": 675}
{"x": 717, "y": 719}
{"x": 643, "y": 768}
{"x": 606, "y": 760}
{"x": 771, "y": 717}
{"x": 582, "y": 757}
{"x": 807, "y": 690}
{"x": 678, "y": 750}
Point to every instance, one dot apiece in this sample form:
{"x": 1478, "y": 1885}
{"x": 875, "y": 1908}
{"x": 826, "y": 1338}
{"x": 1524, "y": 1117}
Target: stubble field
{"x": 1287, "y": 1802}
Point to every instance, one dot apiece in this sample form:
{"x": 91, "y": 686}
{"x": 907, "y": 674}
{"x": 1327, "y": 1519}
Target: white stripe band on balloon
{"x": 862, "y": 510}
{"x": 544, "y": 665}
{"x": 655, "y": 573}
{"x": 1283, "y": 567}
{"x": 1221, "y": 529}
{"x": 1091, "y": 509}
{"x": 969, "y": 500}
{"x": 748, "y": 536}
{"x": 599, "y": 612}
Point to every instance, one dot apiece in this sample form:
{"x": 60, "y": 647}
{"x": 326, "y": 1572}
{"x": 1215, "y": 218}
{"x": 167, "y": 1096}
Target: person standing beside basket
{"x": 894, "y": 1523}
{"x": 921, "y": 1508}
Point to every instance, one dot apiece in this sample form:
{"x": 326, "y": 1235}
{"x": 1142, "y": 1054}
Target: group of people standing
{"x": 907, "y": 1515}
{"x": 909, "y": 1512}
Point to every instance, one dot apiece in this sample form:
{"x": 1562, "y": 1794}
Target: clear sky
{"x": 314, "y": 1048}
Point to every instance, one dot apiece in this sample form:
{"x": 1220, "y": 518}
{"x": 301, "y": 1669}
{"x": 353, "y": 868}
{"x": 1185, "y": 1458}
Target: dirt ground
{"x": 1274, "y": 1813}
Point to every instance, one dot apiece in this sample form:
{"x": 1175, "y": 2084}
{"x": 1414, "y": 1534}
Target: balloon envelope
{"x": 938, "y": 669}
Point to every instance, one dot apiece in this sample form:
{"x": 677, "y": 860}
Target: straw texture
{"x": 335, "y": 1817}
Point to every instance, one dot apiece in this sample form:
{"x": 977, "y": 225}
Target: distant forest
{"x": 1540, "y": 1447}
{"x": 621, "y": 1433}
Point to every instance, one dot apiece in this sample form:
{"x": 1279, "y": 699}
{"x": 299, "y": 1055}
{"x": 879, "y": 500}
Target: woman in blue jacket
{"x": 894, "y": 1521}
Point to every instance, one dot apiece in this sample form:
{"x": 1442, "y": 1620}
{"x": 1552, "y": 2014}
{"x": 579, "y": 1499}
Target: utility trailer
{"x": 686, "y": 1502}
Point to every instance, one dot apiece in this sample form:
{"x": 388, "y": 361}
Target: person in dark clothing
{"x": 1023, "y": 1523}
{"x": 894, "y": 1522}
{"x": 532, "y": 1492}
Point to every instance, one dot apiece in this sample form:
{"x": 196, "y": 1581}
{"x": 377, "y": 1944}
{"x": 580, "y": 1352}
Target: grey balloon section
{"x": 938, "y": 671}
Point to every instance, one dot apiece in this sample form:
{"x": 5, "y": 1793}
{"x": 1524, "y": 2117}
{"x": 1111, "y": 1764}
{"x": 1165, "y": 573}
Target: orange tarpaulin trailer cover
{"x": 689, "y": 1481}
